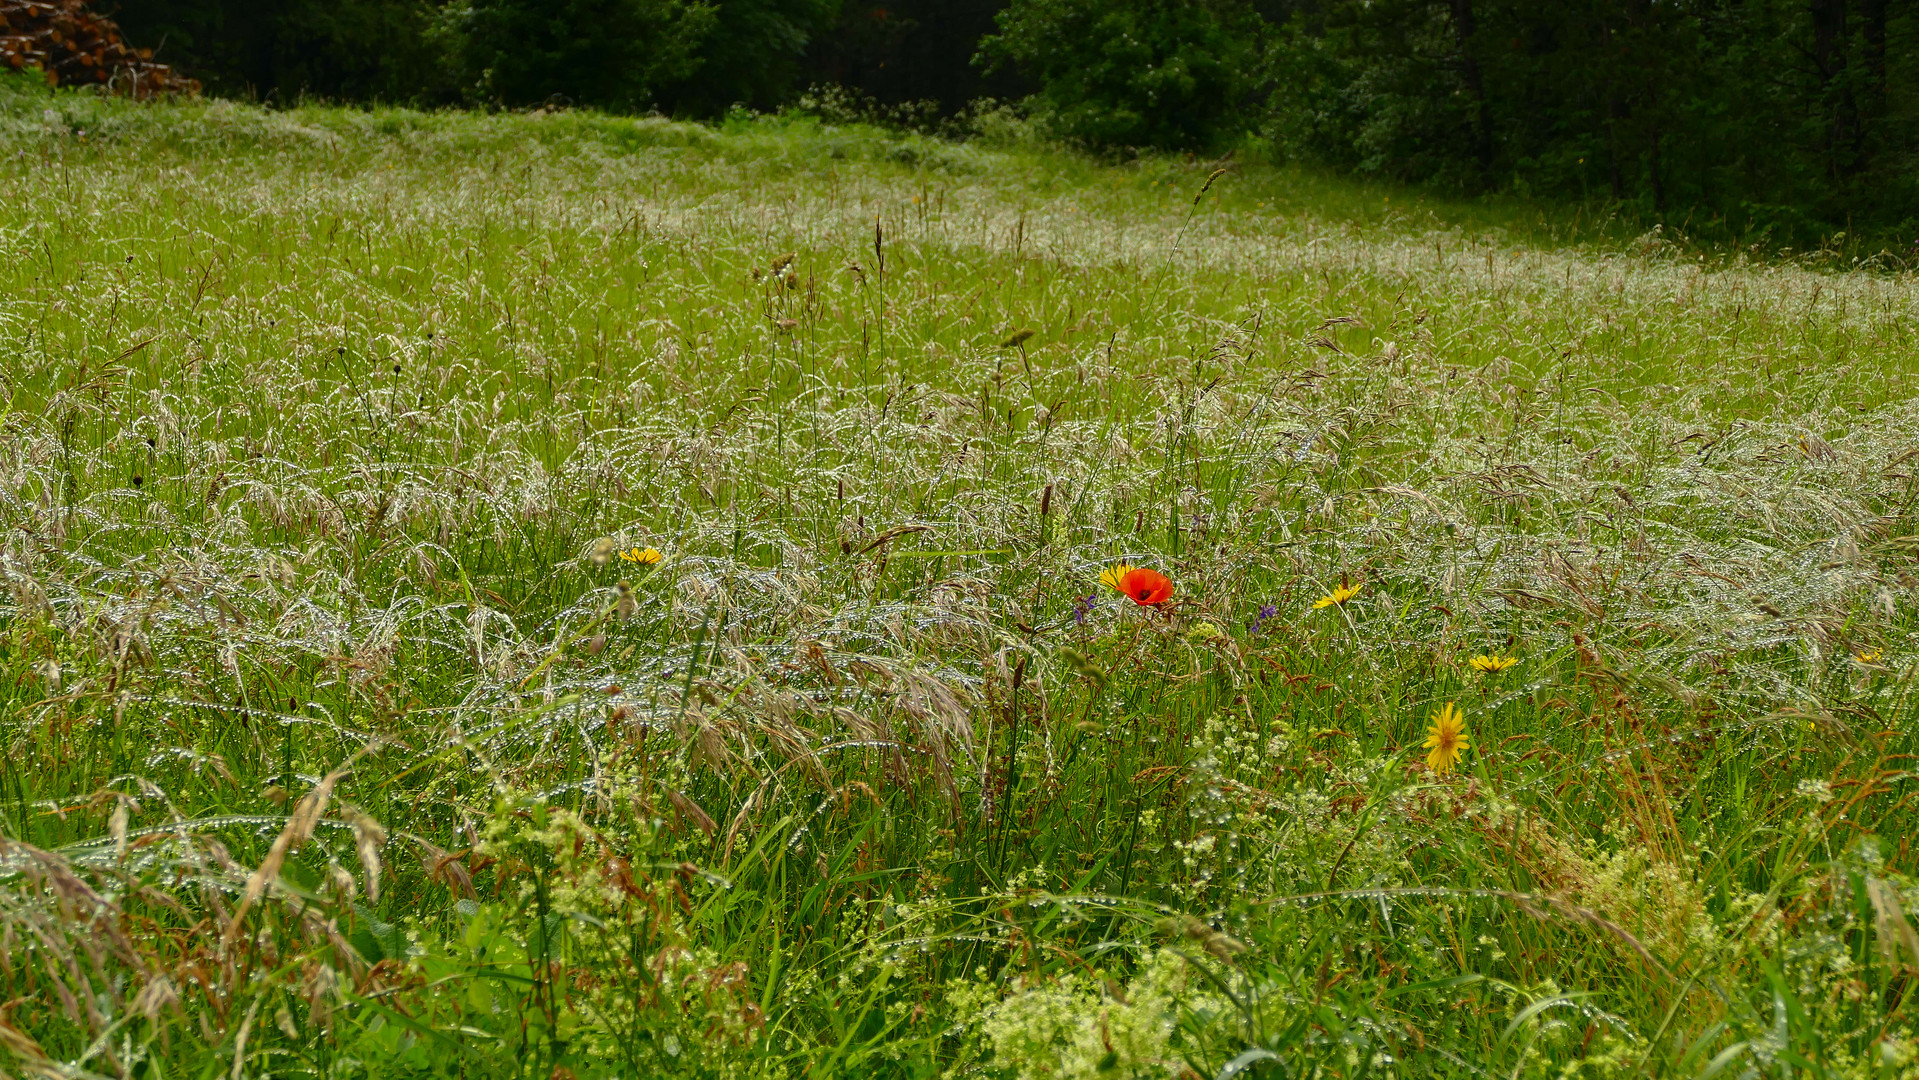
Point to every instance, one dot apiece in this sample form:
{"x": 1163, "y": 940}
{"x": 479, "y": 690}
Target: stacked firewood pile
{"x": 74, "y": 46}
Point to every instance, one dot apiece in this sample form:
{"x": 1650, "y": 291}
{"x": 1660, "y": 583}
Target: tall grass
{"x": 343, "y": 740}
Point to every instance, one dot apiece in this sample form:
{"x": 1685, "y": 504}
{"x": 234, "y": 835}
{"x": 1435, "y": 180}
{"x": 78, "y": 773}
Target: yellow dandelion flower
{"x": 1870, "y": 656}
{"x": 1110, "y": 576}
{"x": 1445, "y": 739}
{"x": 1493, "y": 664}
{"x": 643, "y": 556}
{"x": 1339, "y": 595}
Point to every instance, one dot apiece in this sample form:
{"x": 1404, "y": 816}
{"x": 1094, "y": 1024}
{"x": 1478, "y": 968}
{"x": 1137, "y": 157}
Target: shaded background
{"x": 1762, "y": 121}
{"x": 758, "y": 53}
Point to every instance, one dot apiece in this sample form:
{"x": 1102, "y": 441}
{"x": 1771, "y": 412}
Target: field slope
{"x": 559, "y": 596}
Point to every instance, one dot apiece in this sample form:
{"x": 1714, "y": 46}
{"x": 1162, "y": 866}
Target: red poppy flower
{"x": 1147, "y": 588}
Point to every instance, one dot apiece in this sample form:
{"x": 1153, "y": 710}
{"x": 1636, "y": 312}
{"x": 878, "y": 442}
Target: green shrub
{"x": 610, "y": 53}
{"x": 1137, "y": 73}
{"x": 352, "y": 50}
{"x": 754, "y": 55}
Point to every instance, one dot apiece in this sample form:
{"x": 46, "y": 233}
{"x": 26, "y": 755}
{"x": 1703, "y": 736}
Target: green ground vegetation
{"x": 346, "y": 736}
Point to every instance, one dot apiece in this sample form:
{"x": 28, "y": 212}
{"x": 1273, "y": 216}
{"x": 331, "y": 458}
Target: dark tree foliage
{"x": 611, "y": 53}
{"x": 278, "y": 50}
{"x": 1167, "y": 73}
{"x": 758, "y": 53}
{"x": 1769, "y": 119}
{"x": 897, "y": 51}
{"x": 754, "y": 55}
{"x": 697, "y": 57}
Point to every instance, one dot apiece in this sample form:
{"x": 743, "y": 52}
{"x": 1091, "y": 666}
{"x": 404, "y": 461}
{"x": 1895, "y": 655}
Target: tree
{"x": 1177, "y": 74}
{"x": 614, "y": 54}
{"x": 359, "y": 50}
{"x": 754, "y": 56}
{"x": 898, "y": 51}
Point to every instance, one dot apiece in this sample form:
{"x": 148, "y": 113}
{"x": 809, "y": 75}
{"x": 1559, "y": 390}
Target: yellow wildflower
{"x": 643, "y": 556}
{"x": 1445, "y": 739}
{"x": 1110, "y": 576}
{"x": 1339, "y": 595}
{"x": 1493, "y": 664}
{"x": 1870, "y": 656}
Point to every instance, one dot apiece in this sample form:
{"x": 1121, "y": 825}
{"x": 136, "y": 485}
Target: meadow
{"x": 556, "y": 595}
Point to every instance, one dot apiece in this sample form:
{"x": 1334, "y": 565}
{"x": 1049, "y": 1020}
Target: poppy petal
{"x": 1147, "y": 588}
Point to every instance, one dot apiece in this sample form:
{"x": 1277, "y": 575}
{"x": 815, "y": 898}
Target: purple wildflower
{"x": 1082, "y": 607}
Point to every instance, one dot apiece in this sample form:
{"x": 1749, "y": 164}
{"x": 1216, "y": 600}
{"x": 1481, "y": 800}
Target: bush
{"x": 610, "y": 53}
{"x": 753, "y": 56}
{"x": 1174, "y": 74}
{"x": 353, "y": 50}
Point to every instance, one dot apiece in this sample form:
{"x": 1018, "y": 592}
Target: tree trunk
{"x": 1465, "y": 28}
{"x": 1658, "y": 179}
{"x": 1872, "y": 17}
{"x": 1829, "y": 56}
{"x": 1614, "y": 110}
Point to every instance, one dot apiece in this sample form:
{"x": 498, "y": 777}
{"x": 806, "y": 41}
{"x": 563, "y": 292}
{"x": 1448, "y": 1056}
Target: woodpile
{"x": 74, "y": 46}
